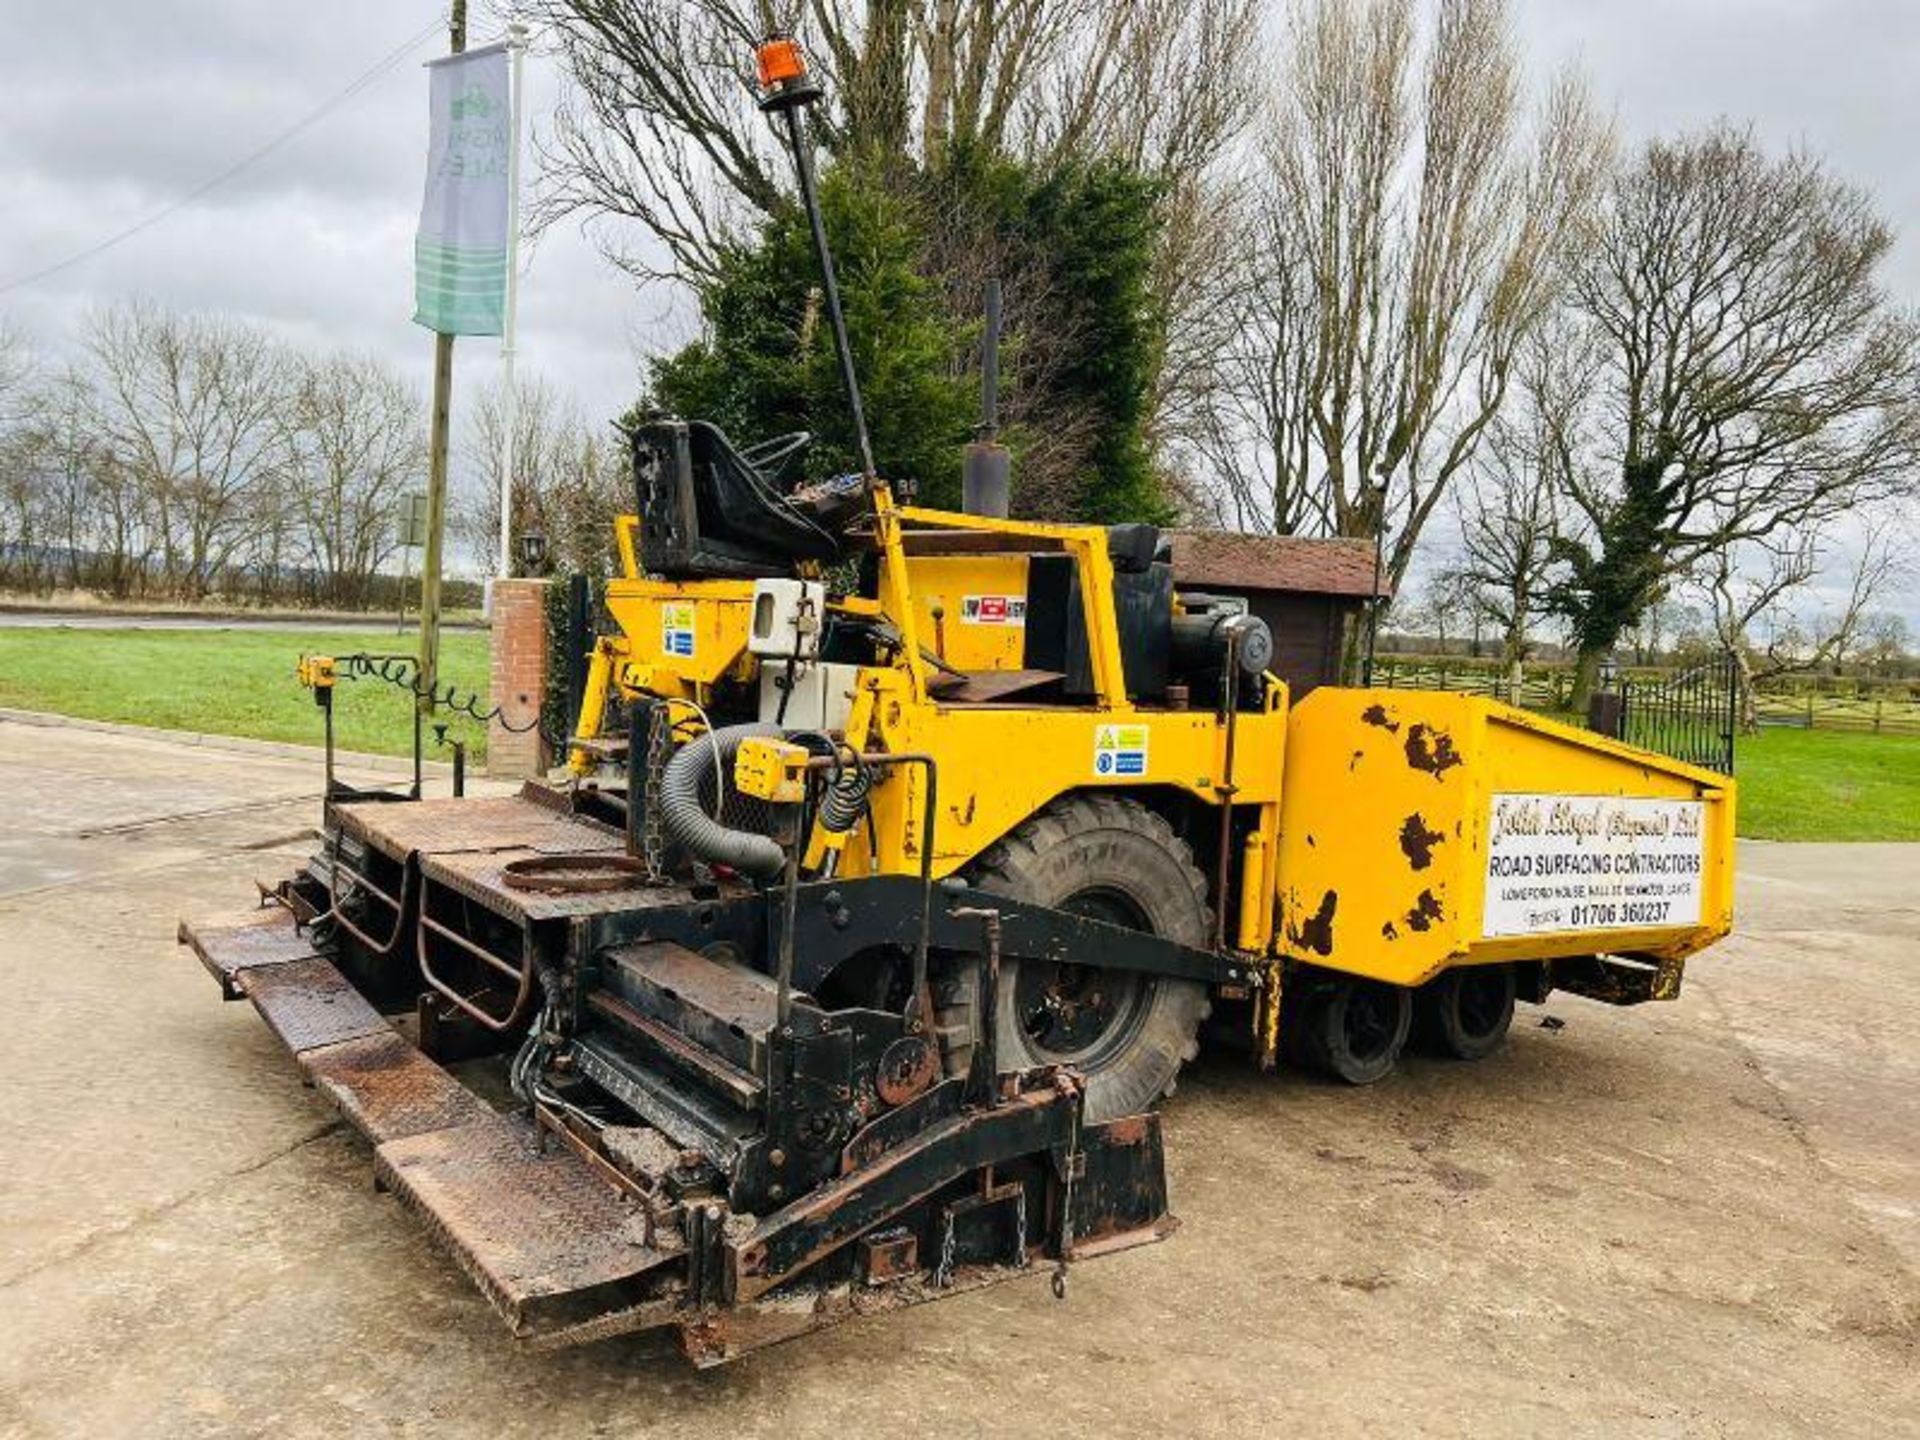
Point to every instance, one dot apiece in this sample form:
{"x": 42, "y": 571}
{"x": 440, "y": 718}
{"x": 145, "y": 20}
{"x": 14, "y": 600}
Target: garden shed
{"x": 1307, "y": 591}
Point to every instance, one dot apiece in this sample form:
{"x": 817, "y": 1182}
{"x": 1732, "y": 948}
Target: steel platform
{"x": 561, "y": 1253}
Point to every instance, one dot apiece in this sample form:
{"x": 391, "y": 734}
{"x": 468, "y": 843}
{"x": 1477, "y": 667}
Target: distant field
{"x": 1794, "y": 784}
{"x": 1828, "y": 785}
{"x": 227, "y": 682}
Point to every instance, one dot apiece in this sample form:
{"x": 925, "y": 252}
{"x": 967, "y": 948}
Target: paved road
{"x": 1701, "y": 1218}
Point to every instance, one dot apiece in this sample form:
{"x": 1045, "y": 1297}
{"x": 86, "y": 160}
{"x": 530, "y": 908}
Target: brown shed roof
{"x": 1276, "y": 562}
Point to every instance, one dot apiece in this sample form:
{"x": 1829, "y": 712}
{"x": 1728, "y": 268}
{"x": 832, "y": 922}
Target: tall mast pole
{"x": 439, "y": 425}
{"x": 787, "y": 89}
{"x": 509, "y": 384}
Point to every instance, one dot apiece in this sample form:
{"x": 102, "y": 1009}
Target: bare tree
{"x": 1884, "y": 641}
{"x": 1753, "y": 588}
{"x": 1181, "y": 94}
{"x": 590, "y": 484}
{"x": 23, "y": 512}
{"x": 191, "y": 410}
{"x": 353, "y": 447}
{"x": 1510, "y": 521}
{"x": 1670, "y": 629}
{"x": 63, "y": 522}
{"x": 1455, "y": 606}
{"x": 87, "y": 524}
{"x": 1754, "y": 381}
{"x": 1251, "y": 435}
{"x": 18, "y": 366}
{"x": 99, "y": 520}
{"x": 19, "y": 512}
{"x": 569, "y": 481}
{"x": 185, "y": 455}
{"x": 661, "y": 126}
{"x": 1511, "y": 510}
{"x": 1412, "y": 218}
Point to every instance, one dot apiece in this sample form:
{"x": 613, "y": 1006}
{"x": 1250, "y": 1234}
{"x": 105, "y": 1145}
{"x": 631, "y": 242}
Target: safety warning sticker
{"x": 993, "y": 610}
{"x": 1592, "y": 862}
{"x": 676, "y": 625}
{"x": 1119, "y": 750}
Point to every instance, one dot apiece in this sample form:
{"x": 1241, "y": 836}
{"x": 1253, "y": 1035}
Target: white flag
{"x": 460, "y": 255}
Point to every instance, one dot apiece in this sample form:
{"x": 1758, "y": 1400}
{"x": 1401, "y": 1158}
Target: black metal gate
{"x": 1693, "y": 716}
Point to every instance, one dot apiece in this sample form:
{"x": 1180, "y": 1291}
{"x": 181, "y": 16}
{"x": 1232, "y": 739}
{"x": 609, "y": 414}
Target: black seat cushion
{"x": 706, "y": 510}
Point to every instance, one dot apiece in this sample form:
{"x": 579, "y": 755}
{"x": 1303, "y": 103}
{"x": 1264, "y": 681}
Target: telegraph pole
{"x": 437, "y": 467}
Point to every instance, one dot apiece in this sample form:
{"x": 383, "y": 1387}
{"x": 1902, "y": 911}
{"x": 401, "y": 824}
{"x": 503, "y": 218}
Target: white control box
{"x": 820, "y": 698}
{"x": 788, "y": 616}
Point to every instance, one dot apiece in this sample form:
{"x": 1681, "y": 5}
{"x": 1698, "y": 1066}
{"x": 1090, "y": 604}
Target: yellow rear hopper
{"x": 1421, "y": 830}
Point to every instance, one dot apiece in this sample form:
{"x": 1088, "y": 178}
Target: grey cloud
{"x": 111, "y": 108}
{"x": 1833, "y": 75}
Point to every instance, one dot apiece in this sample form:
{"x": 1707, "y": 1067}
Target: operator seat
{"x": 1055, "y": 635}
{"x": 707, "y": 510}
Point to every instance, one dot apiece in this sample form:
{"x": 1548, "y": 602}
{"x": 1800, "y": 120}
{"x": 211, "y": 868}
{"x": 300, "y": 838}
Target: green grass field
{"x": 1794, "y": 784}
{"x": 228, "y": 682}
{"x": 1828, "y": 785}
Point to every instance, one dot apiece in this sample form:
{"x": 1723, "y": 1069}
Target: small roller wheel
{"x": 1354, "y": 1030}
{"x": 1465, "y": 1013}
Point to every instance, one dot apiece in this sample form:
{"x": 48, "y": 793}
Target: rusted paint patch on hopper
{"x": 1431, "y": 750}
{"x": 1425, "y": 911}
{"x": 1316, "y": 934}
{"x": 1417, "y": 841}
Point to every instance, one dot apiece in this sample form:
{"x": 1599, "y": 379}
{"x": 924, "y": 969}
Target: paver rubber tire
{"x": 1127, "y": 1032}
{"x": 1465, "y": 1012}
{"x": 1354, "y": 1030}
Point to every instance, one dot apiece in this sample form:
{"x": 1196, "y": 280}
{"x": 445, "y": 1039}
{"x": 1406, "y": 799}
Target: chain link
{"x": 943, "y": 1272}
{"x": 653, "y": 840}
{"x": 1066, "y": 1205}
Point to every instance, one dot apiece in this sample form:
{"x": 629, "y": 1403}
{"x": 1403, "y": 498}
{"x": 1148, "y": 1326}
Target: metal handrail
{"x": 522, "y": 975}
{"x": 335, "y": 868}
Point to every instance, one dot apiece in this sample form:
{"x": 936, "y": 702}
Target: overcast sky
{"x": 110, "y": 109}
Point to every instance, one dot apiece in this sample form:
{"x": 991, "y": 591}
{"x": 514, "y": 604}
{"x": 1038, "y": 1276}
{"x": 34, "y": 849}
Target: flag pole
{"x": 437, "y": 466}
{"x": 509, "y": 386}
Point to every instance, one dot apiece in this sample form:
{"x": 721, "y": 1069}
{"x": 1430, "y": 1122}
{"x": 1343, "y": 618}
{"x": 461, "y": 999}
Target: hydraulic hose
{"x": 685, "y": 821}
{"x": 846, "y": 798}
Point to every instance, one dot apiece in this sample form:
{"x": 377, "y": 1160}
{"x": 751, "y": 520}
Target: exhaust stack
{"x": 986, "y": 479}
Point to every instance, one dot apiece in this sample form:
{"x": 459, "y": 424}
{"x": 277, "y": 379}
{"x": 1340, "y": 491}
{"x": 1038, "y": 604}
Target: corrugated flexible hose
{"x": 757, "y": 856}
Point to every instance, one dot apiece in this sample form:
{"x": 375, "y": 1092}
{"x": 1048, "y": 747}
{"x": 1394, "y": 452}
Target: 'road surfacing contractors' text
{"x": 1578, "y": 862}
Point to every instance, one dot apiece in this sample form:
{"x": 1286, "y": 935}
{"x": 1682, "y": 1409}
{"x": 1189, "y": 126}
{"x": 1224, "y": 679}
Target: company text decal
{"x": 1592, "y": 862}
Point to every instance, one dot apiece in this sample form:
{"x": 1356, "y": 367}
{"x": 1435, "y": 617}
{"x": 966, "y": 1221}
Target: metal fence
{"x": 1694, "y": 716}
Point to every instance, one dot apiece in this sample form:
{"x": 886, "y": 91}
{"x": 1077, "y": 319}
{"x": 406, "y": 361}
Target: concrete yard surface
{"x": 1696, "y": 1218}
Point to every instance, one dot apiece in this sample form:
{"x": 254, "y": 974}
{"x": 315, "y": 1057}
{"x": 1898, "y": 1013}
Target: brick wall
{"x": 519, "y": 677}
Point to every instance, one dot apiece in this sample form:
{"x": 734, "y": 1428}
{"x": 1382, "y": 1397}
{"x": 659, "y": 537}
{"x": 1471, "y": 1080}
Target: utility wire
{"x": 299, "y": 127}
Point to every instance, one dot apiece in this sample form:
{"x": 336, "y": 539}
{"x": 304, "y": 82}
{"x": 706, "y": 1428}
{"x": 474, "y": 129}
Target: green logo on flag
{"x": 474, "y": 104}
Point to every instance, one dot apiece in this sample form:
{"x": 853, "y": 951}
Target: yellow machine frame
{"x": 1330, "y": 785}
{"x": 999, "y": 763}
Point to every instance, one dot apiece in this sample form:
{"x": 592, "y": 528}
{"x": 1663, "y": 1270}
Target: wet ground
{"x": 1698, "y": 1218}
